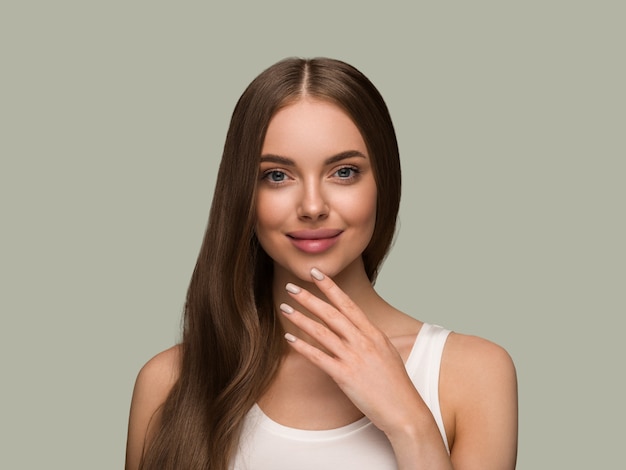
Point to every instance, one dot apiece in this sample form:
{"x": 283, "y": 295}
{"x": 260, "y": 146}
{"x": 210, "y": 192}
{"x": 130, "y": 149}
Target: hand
{"x": 357, "y": 355}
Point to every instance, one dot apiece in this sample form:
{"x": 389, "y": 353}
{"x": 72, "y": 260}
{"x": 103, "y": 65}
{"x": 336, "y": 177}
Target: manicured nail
{"x": 293, "y": 288}
{"x": 317, "y": 274}
{"x": 286, "y": 308}
{"x": 289, "y": 337}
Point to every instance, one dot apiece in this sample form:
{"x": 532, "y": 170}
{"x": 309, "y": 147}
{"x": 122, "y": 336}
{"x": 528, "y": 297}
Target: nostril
{"x": 313, "y": 206}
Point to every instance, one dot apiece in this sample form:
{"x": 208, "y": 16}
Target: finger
{"x": 318, "y": 357}
{"x": 333, "y": 318}
{"x": 316, "y": 330}
{"x": 340, "y": 299}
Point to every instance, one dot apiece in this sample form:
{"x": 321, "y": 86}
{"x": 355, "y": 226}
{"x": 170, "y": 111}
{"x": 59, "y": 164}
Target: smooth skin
{"x": 348, "y": 345}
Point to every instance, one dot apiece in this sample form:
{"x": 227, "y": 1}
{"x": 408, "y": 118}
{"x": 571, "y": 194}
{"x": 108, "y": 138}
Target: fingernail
{"x": 293, "y": 288}
{"x": 286, "y": 308}
{"x": 289, "y": 337}
{"x": 317, "y": 274}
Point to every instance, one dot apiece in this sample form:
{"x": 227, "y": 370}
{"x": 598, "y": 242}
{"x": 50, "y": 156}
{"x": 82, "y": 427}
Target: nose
{"x": 312, "y": 204}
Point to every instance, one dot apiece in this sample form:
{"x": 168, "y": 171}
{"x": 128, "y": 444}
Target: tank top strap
{"x": 423, "y": 366}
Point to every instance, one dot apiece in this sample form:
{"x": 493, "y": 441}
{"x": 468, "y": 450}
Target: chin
{"x": 329, "y": 268}
{"x": 303, "y": 272}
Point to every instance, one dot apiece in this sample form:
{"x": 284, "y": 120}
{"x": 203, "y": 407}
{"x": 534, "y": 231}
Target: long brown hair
{"x": 232, "y": 342}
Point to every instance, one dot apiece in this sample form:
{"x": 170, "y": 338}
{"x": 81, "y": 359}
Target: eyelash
{"x": 267, "y": 174}
{"x": 355, "y": 173}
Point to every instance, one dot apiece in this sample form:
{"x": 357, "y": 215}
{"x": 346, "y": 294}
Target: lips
{"x": 314, "y": 234}
{"x": 314, "y": 241}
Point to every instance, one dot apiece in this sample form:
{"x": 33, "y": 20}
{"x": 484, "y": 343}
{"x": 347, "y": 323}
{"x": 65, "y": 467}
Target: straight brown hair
{"x": 232, "y": 342}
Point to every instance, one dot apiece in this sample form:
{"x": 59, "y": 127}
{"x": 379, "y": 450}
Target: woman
{"x": 290, "y": 359}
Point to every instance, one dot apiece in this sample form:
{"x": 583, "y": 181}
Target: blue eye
{"x": 346, "y": 172}
{"x": 275, "y": 176}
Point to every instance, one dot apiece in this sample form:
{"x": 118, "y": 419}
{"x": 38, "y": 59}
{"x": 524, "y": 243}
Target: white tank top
{"x": 268, "y": 445}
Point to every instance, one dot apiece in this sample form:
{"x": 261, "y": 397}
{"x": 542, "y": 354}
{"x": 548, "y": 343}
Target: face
{"x": 316, "y": 199}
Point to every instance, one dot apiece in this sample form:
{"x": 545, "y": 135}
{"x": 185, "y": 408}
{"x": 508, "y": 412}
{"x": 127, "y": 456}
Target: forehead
{"x": 312, "y": 126}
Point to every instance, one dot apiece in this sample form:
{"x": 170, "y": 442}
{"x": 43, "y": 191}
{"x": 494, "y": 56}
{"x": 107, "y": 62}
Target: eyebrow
{"x": 329, "y": 161}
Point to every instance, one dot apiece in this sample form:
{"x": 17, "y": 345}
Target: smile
{"x": 314, "y": 241}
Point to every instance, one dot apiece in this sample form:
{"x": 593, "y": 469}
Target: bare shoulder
{"x": 161, "y": 371}
{"x": 473, "y": 367}
{"x": 154, "y": 382}
{"x": 478, "y": 394}
{"x": 470, "y": 355}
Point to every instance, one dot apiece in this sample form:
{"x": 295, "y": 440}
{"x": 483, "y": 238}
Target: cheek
{"x": 359, "y": 212}
{"x": 270, "y": 211}
{"x": 369, "y": 214}
{"x": 364, "y": 205}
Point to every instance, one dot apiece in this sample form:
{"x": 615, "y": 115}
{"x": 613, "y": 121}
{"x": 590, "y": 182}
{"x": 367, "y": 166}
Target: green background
{"x": 510, "y": 119}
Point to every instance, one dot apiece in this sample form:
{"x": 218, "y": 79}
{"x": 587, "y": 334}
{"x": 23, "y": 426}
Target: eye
{"x": 275, "y": 176}
{"x": 347, "y": 173}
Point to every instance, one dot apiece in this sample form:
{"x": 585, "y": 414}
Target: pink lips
{"x": 314, "y": 241}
